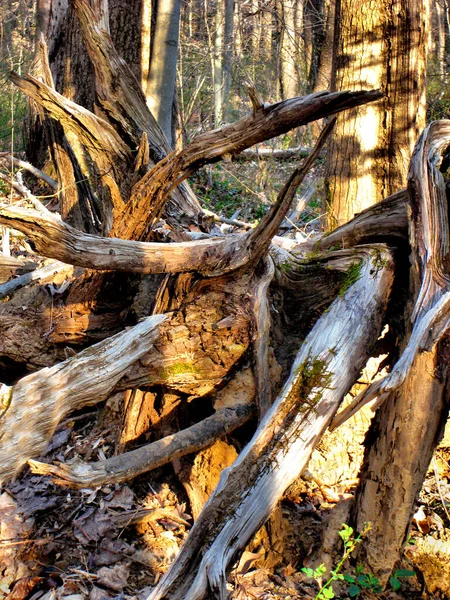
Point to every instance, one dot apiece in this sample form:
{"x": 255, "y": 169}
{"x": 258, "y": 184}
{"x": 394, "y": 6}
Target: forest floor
{"x": 117, "y": 541}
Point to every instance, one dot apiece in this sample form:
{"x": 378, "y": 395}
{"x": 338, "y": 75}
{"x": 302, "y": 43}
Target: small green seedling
{"x": 350, "y": 543}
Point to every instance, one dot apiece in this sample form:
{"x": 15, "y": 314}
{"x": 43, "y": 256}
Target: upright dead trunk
{"x": 415, "y": 395}
{"x": 382, "y": 45}
{"x": 218, "y": 74}
{"x": 289, "y": 51}
{"x": 227, "y": 55}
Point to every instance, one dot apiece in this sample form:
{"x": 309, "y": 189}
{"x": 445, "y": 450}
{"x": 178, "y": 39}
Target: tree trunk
{"x": 163, "y": 66}
{"x": 408, "y": 426}
{"x": 383, "y": 47}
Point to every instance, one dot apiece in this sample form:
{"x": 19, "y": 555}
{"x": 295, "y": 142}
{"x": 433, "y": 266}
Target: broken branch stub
{"x": 32, "y": 409}
{"x": 325, "y": 368}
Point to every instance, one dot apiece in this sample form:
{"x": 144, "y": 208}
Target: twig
{"x": 31, "y": 169}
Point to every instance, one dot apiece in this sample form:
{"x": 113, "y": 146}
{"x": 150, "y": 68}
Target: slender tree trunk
{"x": 227, "y": 55}
{"x": 162, "y": 76}
{"x": 288, "y": 50}
{"x": 218, "y": 72}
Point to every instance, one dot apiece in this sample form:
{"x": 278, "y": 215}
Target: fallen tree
{"x": 210, "y": 301}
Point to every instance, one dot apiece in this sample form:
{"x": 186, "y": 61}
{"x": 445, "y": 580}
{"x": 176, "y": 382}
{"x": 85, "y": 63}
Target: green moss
{"x": 351, "y": 276}
{"x": 378, "y": 260}
{"x": 237, "y": 348}
{"x": 312, "y": 379}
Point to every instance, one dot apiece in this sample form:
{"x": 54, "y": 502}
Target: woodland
{"x": 225, "y": 305}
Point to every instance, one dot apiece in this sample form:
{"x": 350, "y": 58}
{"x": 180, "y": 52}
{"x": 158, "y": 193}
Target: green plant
{"x": 350, "y": 543}
{"x": 359, "y": 581}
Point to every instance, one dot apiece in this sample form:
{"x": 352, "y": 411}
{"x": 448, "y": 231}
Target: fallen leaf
{"x": 115, "y": 578}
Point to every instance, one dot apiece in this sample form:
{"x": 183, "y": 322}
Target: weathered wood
{"x": 149, "y": 195}
{"x": 323, "y": 371}
{"x": 407, "y": 427}
{"x": 125, "y": 467}
{"x": 32, "y": 409}
{"x": 53, "y": 238}
{"x": 35, "y": 275}
{"x": 11, "y": 265}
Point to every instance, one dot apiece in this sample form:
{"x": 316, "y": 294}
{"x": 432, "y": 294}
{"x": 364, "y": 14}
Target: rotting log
{"x": 326, "y": 366}
{"x": 32, "y": 409}
{"x": 414, "y": 396}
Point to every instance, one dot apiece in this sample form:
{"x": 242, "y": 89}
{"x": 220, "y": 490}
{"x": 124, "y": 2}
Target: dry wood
{"x": 123, "y": 104}
{"x": 262, "y": 338}
{"x": 53, "y": 238}
{"x": 407, "y": 427}
{"x": 32, "y": 409}
{"x": 41, "y": 274}
{"x": 323, "y": 371}
{"x": 23, "y": 164}
{"x": 111, "y": 157}
{"x": 131, "y": 464}
{"x": 148, "y": 196}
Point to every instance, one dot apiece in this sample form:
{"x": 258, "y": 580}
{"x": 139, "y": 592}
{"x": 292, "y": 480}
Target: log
{"x": 35, "y": 275}
{"x": 273, "y": 153}
{"x": 323, "y": 371}
{"x": 32, "y": 409}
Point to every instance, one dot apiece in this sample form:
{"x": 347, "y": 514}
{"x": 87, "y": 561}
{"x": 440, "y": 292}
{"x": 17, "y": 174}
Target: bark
{"x": 415, "y": 406}
{"x": 323, "y": 371}
{"x": 385, "y": 47}
{"x": 162, "y": 75}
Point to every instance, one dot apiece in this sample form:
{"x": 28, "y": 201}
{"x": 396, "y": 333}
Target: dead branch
{"x": 42, "y": 274}
{"x": 148, "y": 196}
{"x": 55, "y": 239}
{"x": 18, "y": 162}
{"x": 32, "y": 409}
{"x": 323, "y": 371}
{"x": 125, "y": 467}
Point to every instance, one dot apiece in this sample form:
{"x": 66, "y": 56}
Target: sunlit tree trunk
{"x": 381, "y": 45}
{"x": 218, "y": 63}
{"x": 227, "y": 55}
